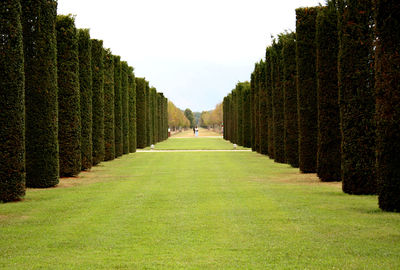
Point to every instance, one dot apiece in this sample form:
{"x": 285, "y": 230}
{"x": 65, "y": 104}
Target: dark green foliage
{"x": 262, "y": 101}
{"x": 356, "y": 96}
{"x": 277, "y": 101}
{"x": 246, "y": 114}
{"x": 85, "y": 85}
{"x": 290, "y": 100}
{"x": 387, "y": 103}
{"x": 149, "y": 127}
{"x": 239, "y": 109}
{"x": 38, "y": 23}
{"x": 160, "y": 97}
{"x": 141, "y": 113}
{"x": 306, "y": 88}
{"x": 270, "y": 119}
{"x": 328, "y": 154}
{"x": 118, "y": 107}
{"x": 256, "y": 109}
{"x": 254, "y": 105}
{"x": 12, "y": 118}
{"x": 69, "y": 118}
{"x": 155, "y": 114}
{"x": 132, "y": 110}
{"x": 109, "y": 124}
{"x": 234, "y": 116}
{"x": 189, "y": 115}
{"x": 98, "y": 100}
{"x": 125, "y": 107}
{"x": 165, "y": 124}
{"x": 224, "y": 115}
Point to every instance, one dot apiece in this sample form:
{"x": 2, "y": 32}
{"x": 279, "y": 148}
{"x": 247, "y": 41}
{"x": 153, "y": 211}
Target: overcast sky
{"x": 194, "y": 51}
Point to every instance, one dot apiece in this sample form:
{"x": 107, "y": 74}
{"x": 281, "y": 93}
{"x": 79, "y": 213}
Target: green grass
{"x": 202, "y": 210}
{"x": 197, "y": 143}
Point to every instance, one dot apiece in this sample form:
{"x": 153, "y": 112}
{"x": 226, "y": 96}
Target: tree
{"x": 98, "y": 100}
{"x": 69, "y": 118}
{"x": 132, "y": 110}
{"x": 109, "y": 105}
{"x": 268, "y": 85}
{"x": 356, "y": 96}
{"x": 246, "y": 114}
{"x": 328, "y": 153}
{"x": 141, "y": 112}
{"x": 125, "y": 107}
{"x": 41, "y": 127}
{"x": 118, "y": 107}
{"x": 189, "y": 115}
{"x": 306, "y": 88}
{"x": 149, "y": 117}
{"x": 12, "y": 116}
{"x": 387, "y": 74}
{"x": 85, "y": 87}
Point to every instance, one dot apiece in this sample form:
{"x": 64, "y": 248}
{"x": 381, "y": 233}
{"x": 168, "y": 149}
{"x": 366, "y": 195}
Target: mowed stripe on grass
{"x": 202, "y": 210}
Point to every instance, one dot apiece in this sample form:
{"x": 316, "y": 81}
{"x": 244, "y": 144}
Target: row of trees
{"x": 326, "y": 98}
{"x": 66, "y": 102}
{"x": 176, "y": 118}
{"x": 212, "y": 119}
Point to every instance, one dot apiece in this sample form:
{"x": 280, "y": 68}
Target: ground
{"x": 197, "y": 210}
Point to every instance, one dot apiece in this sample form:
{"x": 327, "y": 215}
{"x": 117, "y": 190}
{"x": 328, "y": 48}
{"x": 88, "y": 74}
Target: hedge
{"x": 85, "y": 86}
{"x": 356, "y": 96}
{"x": 387, "y": 104}
{"x": 149, "y": 129}
{"x": 328, "y": 151}
{"x": 118, "y": 107}
{"x": 291, "y": 143}
{"x": 277, "y": 101}
{"x": 154, "y": 114}
{"x": 41, "y": 126}
{"x": 98, "y": 100}
{"x": 246, "y": 114}
{"x": 109, "y": 104}
{"x": 306, "y": 88}
{"x": 132, "y": 110}
{"x": 12, "y": 114}
{"x": 141, "y": 113}
{"x": 252, "y": 112}
{"x": 165, "y": 124}
{"x": 263, "y": 115}
{"x": 69, "y": 119}
{"x": 270, "y": 119}
{"x": 125, "y": 107}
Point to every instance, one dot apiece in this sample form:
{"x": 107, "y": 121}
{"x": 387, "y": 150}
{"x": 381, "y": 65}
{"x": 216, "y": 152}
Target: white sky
{"x": 194, "y": 51}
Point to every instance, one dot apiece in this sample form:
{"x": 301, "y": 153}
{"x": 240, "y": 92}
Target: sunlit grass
{"x": 202, "y": 210}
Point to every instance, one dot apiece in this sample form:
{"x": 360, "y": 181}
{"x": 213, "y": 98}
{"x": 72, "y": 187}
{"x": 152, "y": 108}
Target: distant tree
{"x": 140, "y": 112}
{"x": 189, "y": 115}
{"x": 109, "y": 105}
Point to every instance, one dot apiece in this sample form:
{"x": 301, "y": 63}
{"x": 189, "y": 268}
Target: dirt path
{"x": 202, "y": 133}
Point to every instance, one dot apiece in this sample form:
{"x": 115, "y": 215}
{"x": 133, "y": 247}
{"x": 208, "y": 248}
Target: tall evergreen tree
{"x": 306, "y": 88}
{"x": 263, "y": 116}
{"x": 141, "y": 113}
{"x": 356, "y": 96}
{"x": 109, "y": 105}
{"x": 41, "y": 126}
{"x": 132, "y": 110}
{"x": 69, "y": 118}
{"x": 268, "y": 84}
{"x": 328, "y": 154}
{"x": 85, "y": 86}
{"x": 98, "y": 100}
{"x": 290, "y": 100}
{"x": 387, "y": 103}
{"x": 12, "y": 115}
{"x": 125, "y": 107}
{"x": 149, "y": 130}
{"x": 155, "y": 114}
{"x": 118, "y": 107}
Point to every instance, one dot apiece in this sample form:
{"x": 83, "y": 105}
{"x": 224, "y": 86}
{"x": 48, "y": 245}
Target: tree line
{"x": 176, "y": 117}
{"x": 326, "y": 98}
{"x": 212, "y": 119}
{"x": 67, "y": 103}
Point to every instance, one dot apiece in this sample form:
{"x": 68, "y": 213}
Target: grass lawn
{"x": 197, "y": 210}
{"x": 196, "y": 143}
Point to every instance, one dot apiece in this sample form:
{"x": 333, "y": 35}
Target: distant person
{"x": 196, "y": 131}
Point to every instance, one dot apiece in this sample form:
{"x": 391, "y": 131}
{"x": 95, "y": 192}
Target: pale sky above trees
{"x": 193, "y": 51}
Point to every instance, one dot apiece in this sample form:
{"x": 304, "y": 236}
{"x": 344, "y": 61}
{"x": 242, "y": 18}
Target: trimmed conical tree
{"x": 149, "y": 129}
{"x": 328, "y": 154}
{"x": 290, "y": 100}
{"x": 85, "y": 86}
{"x": 125, "y": 107}
{"x": 268, "y": 84}
{"x": 306, "y": 88}
{"x": 277, "y": 101}
{"x": 69, "y": 118}
{"x": 98, "y": 100}
{"x": 109, "y": 124}
{"x": 12, "y": 116}
{"x": 357, "y": 96}
{"x": 41, "y": 126}
{"x": 246, "y": 114}
{"x": 387, "y": 104}
{"x": 118, "y": 107}
{"x": 263, "y": 116}
{"x": 141, "y": 113}
{"x": 132, "y": 110}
